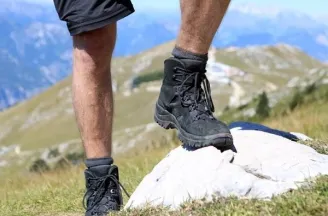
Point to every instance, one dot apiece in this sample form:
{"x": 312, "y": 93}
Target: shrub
{"x": 75, "y": 158}
{"x": 39, "y": 166}
{"x": 226, "y": 108}
{"x": 263, "y": 109}
{"x": 296, "y": 101}
{"x": 149, "y": 77}
{"x": 62, "y": 164}
{"x": 53, "y": 153}
{"x": 310, "y": 88}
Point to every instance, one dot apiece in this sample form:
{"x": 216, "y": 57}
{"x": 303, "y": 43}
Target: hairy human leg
{"x": 93, "y": 27}
{"x": 92, "y": 89}
{"x": 200, "y": 22}
{"x": 94, "y": 108}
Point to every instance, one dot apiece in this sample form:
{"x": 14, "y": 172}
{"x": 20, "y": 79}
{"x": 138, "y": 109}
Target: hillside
{"x": 237, "y": 75}
{"x": 54, "y": 194}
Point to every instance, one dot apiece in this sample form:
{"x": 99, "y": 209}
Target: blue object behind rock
{"x": 254, "y": 126}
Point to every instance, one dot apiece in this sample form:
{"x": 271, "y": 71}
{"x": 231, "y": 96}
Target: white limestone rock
{"x": 265, "y": 165}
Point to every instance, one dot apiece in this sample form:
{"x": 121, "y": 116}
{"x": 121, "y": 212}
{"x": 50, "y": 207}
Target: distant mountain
{"x": 248, "y": 25}
{"x": 33, "y": 51}
{"x": 35, "y": 47}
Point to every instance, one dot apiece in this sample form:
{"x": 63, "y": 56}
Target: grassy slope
{"x": 48, "y": 120}
{"x": 313, "y": 123}
{"x": 60, "y": 193}
{"x": 314, "y": 118}
{"x": 53, "y": 112}
{"x": 49, "y": 195}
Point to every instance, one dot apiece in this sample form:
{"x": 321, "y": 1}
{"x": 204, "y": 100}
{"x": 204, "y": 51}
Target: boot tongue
{"x": 200, "y": 67}
{"x": 194, "y": 66}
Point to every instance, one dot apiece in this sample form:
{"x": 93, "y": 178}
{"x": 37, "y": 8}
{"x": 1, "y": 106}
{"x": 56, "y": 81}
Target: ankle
{"x": 191, "y": 61}
{"x": 93, "y": 162}
{"x": 99, "y": 166}
{"x": 181, "y": 54}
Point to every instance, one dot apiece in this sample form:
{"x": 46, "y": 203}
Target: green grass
{"x": 309, "y": 115}
{"x": 61, "y": 192}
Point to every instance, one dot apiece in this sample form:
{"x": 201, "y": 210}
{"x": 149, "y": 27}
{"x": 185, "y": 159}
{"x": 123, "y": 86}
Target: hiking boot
{"x": 103, "y": 192}
{"x": 183, "y": 104}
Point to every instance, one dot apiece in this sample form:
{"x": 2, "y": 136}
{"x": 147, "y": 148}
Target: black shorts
{"x": 87, "y": 15}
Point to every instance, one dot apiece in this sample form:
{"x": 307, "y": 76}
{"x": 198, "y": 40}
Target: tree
{"x": 296, "y": 101}
{"x": 263, "y": 108}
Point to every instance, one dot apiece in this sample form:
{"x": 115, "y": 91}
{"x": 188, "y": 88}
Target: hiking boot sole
{"x": 168, "y": 121}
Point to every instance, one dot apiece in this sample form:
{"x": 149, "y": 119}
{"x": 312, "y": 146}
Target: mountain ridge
{"x": 37, "y": 47}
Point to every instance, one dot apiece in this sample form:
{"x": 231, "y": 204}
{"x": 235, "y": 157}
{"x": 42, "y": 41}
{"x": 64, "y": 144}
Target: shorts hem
{"x": 99, "y": 22}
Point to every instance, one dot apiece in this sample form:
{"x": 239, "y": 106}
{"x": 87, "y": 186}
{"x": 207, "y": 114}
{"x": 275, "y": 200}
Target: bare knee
{"x": 94, "y": 49}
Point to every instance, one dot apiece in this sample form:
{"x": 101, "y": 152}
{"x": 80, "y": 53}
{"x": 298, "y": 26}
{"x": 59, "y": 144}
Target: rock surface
{"x": 265, "y": 165}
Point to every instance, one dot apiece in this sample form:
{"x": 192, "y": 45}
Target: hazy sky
{"x": 314, "y": 7}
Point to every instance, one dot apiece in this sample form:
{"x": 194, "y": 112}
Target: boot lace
{"x": 100, "y": 187}
{"x": 192, "y": 94}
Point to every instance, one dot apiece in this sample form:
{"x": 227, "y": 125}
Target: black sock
{"x": 98, "y": 161}
{"x": 99, "y": 166}
{"x": 180, "y": 53}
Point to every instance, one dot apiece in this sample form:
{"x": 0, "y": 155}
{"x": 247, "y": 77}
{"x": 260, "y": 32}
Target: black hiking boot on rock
{"x": 183, "y": 104}
{"x": 103, "y": 192}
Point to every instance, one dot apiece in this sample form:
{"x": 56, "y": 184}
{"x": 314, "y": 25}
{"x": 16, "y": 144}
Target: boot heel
{"x": 164, "y": 124}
